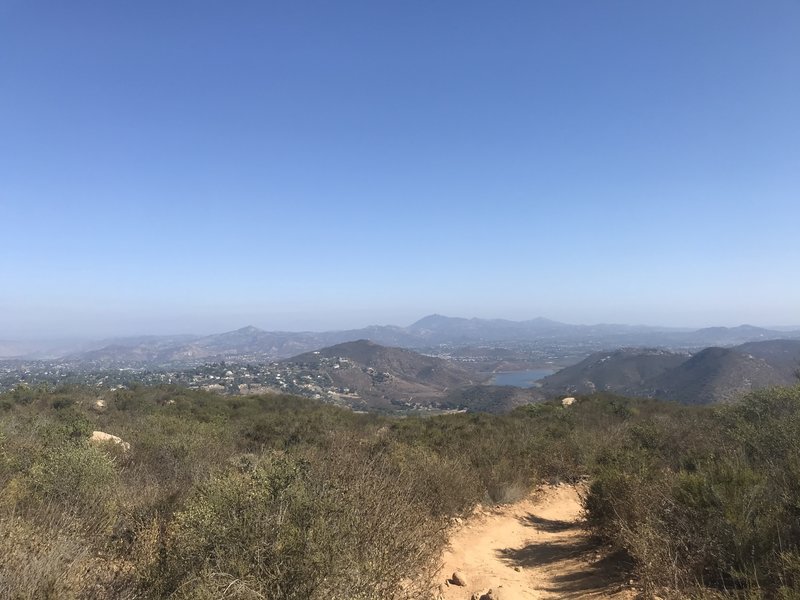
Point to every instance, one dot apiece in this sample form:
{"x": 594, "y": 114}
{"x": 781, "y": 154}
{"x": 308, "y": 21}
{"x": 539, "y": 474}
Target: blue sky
{"x": 201, "y": 165}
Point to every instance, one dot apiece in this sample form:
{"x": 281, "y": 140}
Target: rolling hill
{"x": 376, "y": 375}
{"x": 715, "y": 375}
{"x": 624, "y": 371}
{"x": 709, "y": 376}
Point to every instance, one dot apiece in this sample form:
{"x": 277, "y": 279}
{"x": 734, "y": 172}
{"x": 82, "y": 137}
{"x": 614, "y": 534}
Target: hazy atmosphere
{"x": 380, "y": 300}
{"x": 199, "y": 166}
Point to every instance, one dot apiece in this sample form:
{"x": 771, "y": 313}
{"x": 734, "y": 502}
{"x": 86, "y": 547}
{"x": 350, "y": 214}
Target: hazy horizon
{"x": 197, "y": 167}
{"x": 228, "y": 325}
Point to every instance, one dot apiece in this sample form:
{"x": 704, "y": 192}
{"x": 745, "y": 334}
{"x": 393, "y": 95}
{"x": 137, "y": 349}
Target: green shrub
{"x": 718, "y": 506}
{"x": 448, "y": 486}
{"x": 252, "y": 527}
{"x": 340, "y": 526}
{"x": 79, "y": 480}
{"x": 375, "y": 531}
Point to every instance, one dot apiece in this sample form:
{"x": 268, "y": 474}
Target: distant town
{"x": 222, "y": 377}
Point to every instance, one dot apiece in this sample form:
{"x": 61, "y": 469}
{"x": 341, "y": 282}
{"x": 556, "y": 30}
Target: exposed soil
{"x": 535, "y": 548}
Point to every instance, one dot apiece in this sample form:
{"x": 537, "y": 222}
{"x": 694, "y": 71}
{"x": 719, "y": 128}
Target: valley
{"x": 446, "y": 364}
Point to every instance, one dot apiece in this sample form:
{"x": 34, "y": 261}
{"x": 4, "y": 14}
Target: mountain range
{"x": 434, "y": 331}
{"x": 453, "y": 374}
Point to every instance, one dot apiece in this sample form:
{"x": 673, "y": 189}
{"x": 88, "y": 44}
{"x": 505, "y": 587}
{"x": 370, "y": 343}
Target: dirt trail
{"x": 532, "y": 549}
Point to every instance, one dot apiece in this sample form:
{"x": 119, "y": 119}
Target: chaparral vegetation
{"x": 205, "y": 496}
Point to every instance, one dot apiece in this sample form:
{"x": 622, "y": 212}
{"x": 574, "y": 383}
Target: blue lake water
{"x": 523, "y": 379}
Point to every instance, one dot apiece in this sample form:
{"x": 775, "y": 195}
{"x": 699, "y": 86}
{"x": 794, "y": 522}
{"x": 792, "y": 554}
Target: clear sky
{"x": 199, "y": 165}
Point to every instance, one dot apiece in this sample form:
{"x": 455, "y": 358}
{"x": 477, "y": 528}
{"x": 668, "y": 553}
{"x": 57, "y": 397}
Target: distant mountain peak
{"x": 544, "y": 321}
{"x": 249, "y": 329}
{"x": 431, "y": 320}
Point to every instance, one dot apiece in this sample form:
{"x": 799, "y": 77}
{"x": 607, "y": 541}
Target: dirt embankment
{"x": 531, "y": 549}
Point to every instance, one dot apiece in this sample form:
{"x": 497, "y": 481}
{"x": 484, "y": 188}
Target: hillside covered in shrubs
{"x": 284, "y": 498}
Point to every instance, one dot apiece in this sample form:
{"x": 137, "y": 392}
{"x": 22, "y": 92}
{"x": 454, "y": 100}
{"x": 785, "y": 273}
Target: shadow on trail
{"x": 596, "y": 576}
{"x": 602, "y": 575}
{"x": 550, "y": 525}
{"x": 583, "y": 575}
{"x": 545, "y": 553}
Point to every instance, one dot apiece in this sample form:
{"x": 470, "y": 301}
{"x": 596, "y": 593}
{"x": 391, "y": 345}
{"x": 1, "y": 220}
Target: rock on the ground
{"x": 101, "y": 437}
{"x": 458, "y": 579}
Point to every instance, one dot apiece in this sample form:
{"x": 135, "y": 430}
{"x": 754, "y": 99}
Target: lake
{"x": 523, "y": 379}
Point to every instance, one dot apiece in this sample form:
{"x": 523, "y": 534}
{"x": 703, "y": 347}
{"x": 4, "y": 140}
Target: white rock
{"x": 101, "y": 437}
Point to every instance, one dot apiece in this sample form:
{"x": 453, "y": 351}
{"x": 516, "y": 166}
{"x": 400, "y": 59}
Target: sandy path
{"x": 531, "y": 549}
